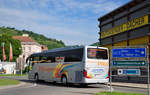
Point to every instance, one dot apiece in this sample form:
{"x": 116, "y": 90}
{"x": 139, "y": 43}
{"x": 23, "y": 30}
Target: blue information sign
{"x": 129, "y": 63}
{"x": 128, "y": 52}
{"x": 131, "y": 71}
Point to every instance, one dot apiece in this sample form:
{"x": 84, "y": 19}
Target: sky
{"x": 75, "y": 22}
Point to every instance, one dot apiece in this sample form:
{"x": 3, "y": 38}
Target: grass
{"x": 118, "y": 93}
{"x": 6, "y": 82}
{"x": 13, "y": 75}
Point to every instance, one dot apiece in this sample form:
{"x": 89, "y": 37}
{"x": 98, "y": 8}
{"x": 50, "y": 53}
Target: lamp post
{"x": 22, "y": 61}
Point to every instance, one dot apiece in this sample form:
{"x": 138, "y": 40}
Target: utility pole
{"x": 148, "y": 72}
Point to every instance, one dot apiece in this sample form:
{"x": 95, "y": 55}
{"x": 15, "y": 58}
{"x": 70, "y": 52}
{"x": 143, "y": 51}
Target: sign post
{"x": 148, "y": 73}
{"x": 128, "y": 61}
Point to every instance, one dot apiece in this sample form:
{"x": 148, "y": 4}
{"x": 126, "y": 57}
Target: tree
{"x": 41, "y": 39}
{"x": 95, "y": 44}
{"x": 16, "y": 46}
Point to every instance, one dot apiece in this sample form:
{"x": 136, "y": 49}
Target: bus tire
{"x": 36, "y": 77}
{"x": 64, "y": 80}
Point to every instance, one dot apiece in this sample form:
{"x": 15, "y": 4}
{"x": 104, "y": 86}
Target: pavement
{"x": 120, "y": 84}
{"x": 28, "y": 87}
{"x": 132, "y": 85}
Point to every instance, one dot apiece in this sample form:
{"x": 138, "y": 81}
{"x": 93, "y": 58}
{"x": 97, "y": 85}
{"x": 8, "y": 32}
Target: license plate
{"x": 98, "y": 71}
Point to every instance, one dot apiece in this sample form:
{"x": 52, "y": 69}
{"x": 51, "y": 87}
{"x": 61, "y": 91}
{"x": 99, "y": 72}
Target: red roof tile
{"x": 23, "y": 38}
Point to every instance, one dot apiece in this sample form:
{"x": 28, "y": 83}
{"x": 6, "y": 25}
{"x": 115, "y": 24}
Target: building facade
{"x": 127, "y": 25}
{"x": 29, "y": 46}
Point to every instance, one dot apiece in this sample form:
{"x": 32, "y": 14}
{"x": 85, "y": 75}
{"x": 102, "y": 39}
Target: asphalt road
{"x": 44, "y": 88}
{"x": 51, "y": 89}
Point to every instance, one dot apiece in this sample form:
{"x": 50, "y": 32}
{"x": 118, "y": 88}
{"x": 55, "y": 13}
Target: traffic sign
{"x": 129, "y": 72}
{"x": 129, "y": 63}
{"x": 128, "y": 52}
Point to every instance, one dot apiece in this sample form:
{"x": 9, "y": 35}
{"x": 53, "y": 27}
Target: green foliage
{"x": 6, "y": 82}
{"x": 3, "y": 75}
{"x": 118, "y": 93}
{"x": 95, "y": 44}
{"x": 50, "y": 43}
{"x": 16, "y": 46}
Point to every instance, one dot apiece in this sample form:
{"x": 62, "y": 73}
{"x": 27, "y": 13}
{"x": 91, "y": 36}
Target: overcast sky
{"x": 72, "y": 21}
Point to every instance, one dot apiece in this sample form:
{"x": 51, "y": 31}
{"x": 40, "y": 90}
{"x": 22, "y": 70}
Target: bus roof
{"x": 63, "y": 49}
{"x": 58, "y": 49}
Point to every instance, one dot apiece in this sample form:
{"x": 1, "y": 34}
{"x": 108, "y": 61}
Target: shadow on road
{"x": 61, "y": 85}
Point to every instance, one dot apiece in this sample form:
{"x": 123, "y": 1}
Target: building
{"x": 29, "y": 46}
{"x": 7, "y": 68}
{"x": 44, "y": 47}
{"x": 127, "y": 25}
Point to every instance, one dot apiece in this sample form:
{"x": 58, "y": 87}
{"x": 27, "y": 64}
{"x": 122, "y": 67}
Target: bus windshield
{"x": 93, "y": 53}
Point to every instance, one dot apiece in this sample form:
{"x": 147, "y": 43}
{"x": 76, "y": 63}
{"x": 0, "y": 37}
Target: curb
{"x": 131, "y": 85}
{"x": 12, "y": 86}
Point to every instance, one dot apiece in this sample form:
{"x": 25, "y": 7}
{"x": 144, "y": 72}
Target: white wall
{"x": 30, "y": 49}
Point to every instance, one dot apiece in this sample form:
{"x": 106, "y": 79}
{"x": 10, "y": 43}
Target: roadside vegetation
{"x": 95, "y": 44}
{"x": 118, "y": 93}
{"x": 6, "y": 82}
{"x": 6, "y": 39}
{"x": 13, "y": 75}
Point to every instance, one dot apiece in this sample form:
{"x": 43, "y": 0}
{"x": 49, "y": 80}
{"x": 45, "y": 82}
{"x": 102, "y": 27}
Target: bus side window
{"x": 51, "y": 59}
{"x": 36, "y": 59}
{"x": 74, "y": 55}
{"x": 43, "y": 59}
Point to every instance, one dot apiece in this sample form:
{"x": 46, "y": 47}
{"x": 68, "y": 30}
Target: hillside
{"x": 41, "y": 39}
{"x": 95, "y": 44}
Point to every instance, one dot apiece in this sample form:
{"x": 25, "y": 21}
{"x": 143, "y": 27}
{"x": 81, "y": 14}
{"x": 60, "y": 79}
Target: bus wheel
{"x": 64, "y": 80}
{"x": 36, "y": 77}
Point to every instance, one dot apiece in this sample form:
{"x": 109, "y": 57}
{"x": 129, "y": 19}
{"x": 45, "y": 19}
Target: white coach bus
{"x": 77, "y": 64}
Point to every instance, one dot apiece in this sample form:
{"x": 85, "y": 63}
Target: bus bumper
{"x": 93, "y": 81}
